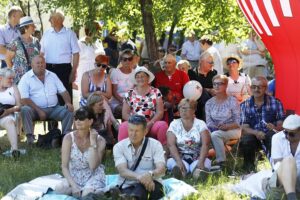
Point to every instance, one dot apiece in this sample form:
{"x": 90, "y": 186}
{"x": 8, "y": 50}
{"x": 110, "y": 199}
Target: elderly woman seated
{"x": 82, "y": 153}
{"x": 147, "y": 101}
{"x": 188, "y": 142}
{"x": 222, "y": 117}
{"x": 10, "y": 100}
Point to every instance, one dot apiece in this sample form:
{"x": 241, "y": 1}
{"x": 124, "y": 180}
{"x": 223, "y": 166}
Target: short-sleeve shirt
{"x": 44, "y": 95}
{"x": 123, "y": 82}
{"x": 124, "y": 152}
{"x": 239, "y": 86}
{"x": 226, "y": 112}
{"x": 7, "y": 34}
{"x": 271, "y": 112}
{"x": 143, "y": 105}
{"x": 191, "y": 50}
{"x": 188, "y": 142}
{"x": 206, "y": 80}
{"x": 58, "y": 47}
{"x": 175, "y": 82}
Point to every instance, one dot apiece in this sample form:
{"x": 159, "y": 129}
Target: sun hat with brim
{"x": 235, "y": 57}
{"x": 24, "y": 21}
{"x": 141, "y": 69}
{"x": 292, "y": 122}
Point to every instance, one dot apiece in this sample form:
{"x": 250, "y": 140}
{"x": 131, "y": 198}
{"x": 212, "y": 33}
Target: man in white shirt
{"x": 191, "y": 50}
{"x": 285, "y": 154}
{"x": 9, "y": 31}
{"x": 143, "y": 181}
{"x": 60, "y": 48}
{"x": 39, "y": 88}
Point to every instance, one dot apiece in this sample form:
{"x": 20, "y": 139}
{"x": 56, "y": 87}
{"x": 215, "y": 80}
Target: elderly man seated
{"x": 39, "y": 88}
{"x": 285, "y": 153}
{"x": 261, "y": 116}
{"x": 140, "y": 162}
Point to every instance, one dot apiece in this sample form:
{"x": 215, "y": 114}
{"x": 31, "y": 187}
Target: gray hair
{"x": 205, "y": 55}
{"x": 58, "y": 13}
{"x": 5, "y": 72}
{"x": 180, "y": 62}
{"x": 261, "y": 79}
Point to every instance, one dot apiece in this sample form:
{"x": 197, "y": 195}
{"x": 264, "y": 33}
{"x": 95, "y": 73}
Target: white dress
{"x": 87, "y": 58}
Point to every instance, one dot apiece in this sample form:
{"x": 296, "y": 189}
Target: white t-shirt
{"x": 7, "y": 96}
{"x": 123, "y": 83}
{"x": 188, "y": 142}
{"x": 240, "y": 86}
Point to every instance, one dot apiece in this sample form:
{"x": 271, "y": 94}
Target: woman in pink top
{"x": 147, "y": 101}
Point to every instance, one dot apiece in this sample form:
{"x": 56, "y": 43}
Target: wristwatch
{"x": 151, "y": 173}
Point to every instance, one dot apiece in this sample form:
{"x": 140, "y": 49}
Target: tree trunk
{"x": 149, "y": 29}
{"x": 171, "y": 33}
{"x": 38, "y": 8}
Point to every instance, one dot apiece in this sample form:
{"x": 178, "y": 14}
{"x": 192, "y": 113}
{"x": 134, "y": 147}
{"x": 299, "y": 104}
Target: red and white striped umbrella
{"x": 278, "y": 24}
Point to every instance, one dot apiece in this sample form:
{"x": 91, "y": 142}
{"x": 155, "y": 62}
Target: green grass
{"x": 38, "y": 162}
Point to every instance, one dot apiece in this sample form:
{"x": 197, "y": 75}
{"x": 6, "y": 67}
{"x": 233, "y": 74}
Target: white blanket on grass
{"x": 252, "y": 185}
{"x": 174, "y": 189}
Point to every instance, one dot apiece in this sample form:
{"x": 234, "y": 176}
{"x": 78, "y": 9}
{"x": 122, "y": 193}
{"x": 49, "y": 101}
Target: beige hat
{"x": 292, "y": 122}
{"x": 233, "y": 56}
{"x": 142, "y": 69}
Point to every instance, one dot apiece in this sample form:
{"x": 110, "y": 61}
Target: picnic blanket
{"x": 42, "y": 188}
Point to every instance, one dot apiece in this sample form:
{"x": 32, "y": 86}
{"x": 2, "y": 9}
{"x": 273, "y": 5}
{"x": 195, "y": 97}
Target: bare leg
{"x": 287, "y": 174}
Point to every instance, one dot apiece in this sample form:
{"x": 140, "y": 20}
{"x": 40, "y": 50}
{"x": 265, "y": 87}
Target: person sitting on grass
{"x": 222, "y": 117}
{"x": 10, "y": 97}
{"x": 285, "y": 153}
{"x": 103, "y": 118}
{"x": 139, "y": 180}
{"x": 39, "y": 88}
{"x": 188, "y": 141}
{"x": 82, "y": 154}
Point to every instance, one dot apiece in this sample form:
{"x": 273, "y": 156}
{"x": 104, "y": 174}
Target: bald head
{"x": 38, "y": 65}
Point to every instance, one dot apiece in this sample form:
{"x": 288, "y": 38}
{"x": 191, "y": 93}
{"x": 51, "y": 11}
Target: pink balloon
{"x": 278, "y": 25}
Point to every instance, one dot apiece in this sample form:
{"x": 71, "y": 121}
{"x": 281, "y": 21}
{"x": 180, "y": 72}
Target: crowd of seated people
{"x": 231, "y": 107}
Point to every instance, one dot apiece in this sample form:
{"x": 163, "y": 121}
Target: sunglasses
{"x": 80, "y": 118}
{"x": 127, "y": 59}
{"x": 215, "y": 84}
{"x": 289, "y": 134}
{"x": 231, "y": 62}
{"x": 100, "y": 65}
{"x": 254, "y": 87}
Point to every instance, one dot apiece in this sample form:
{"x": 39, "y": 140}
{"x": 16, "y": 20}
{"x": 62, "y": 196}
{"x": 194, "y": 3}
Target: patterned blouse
{"x": 188, "y": 142}
{"x": 20, "y": 63}
{"x": 226, "y": 112}
{"x": 143, "y": 105}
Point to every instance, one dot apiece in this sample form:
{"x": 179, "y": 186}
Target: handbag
{"x": 3, "y": 107}
{"x": 136, "y": 164}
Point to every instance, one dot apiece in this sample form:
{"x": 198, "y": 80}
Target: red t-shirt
{"x": 175, "y": 82}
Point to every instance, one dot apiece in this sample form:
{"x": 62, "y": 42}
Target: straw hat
{"x": 24, "y": 21}
{"x": 233, "y": 56}
{"x": 142, "y": 69}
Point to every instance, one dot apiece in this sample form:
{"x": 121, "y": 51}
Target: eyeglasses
{"x": 184, "y": 108}
{"x": 124, "y": 59}
{"x": 172, "y": 49}
{"x": 215, "y": 84}
{"x": 210, "y": 62}
{"x": 289, "y": 134}
{"x": 100, "y": 65}
{"x": 254, "y": 87}
{"x": 231, "y": 62}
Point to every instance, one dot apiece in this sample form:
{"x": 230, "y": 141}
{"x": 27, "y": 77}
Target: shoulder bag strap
{"x": 136, "y": 164}
{"x": 25, "y": 51}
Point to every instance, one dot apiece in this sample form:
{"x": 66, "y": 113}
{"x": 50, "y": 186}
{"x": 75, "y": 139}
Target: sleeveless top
{"x": 83, "y": 176}
{"x": 102, "y": 87}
